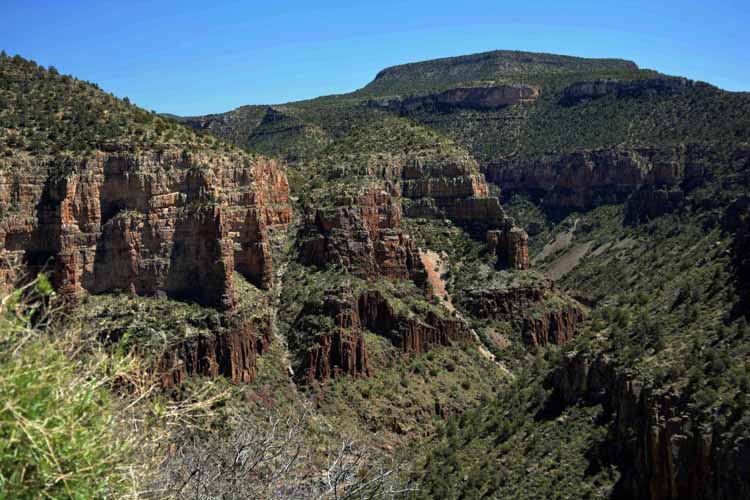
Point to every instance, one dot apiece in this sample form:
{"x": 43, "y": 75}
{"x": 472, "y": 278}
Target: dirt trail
{"x": 434, "y": 264}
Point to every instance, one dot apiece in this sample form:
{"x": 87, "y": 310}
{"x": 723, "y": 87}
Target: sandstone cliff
{"x": 147, "y": 222}
{"x": 362, "y": 233}
{"x": 331, "y": 332}
{"x": 652, "y": 181}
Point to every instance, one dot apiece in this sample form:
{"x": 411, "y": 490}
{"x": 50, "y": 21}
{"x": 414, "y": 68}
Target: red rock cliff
{"x": 147, "y": 222}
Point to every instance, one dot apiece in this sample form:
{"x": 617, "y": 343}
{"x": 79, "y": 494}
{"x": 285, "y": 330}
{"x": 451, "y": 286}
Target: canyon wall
{"x": 662, "y": 451}
{"x": 147, "y": 222}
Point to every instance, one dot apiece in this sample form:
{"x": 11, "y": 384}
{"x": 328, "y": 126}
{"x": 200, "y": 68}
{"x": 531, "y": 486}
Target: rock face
{"x": 553, "y": 327}
{"x": 232, "y": 355}
{"x": 412, "y": 335}
{"x": 340, "y": 351}
{"x": 587, "y": 179}
{"x": 504, "y": 302}
{"x": 149, "y": 222}
{"x": 542, "y": 315}
{"x": 363, "y": 236}
{"x": 511, "y": 245}
{"x": 342, "y": 348}
{"x": 581, "y": 91}
{"x": 452, "y": 188}
{"x": 662, "y": 453}
{"x": 482, "y": 97}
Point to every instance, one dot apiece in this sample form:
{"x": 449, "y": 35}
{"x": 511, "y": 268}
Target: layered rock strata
{"x": 587, "y": 179}
{"x": 511, "y": 246}
{"x": 476, "y": 97}
{"x": 146, "y": 222}
{"x": 363, "y": 235}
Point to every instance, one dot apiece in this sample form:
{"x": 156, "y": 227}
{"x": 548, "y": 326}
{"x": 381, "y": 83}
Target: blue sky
{"x": 196, "y": 57}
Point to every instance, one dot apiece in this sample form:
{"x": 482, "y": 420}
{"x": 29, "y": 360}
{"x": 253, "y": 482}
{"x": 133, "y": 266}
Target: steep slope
{"x": 631, "y": 185}
{"x": 106, "y": 197}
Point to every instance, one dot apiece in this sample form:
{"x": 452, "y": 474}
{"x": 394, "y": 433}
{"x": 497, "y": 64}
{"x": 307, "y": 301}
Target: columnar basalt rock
{"x": 148, "y": 222}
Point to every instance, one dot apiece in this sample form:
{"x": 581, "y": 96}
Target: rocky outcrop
{"x": 648, "y": 202}
{"x": 661, "y": 451}
{"x": 363, "y": 235}
{"x": 581, "y": 91}
{"x": 334, "y": 330}
{"x": 148, "y": 222}
{"x": 504, "y": 302}
{"x": 342, "y": 349}
{"x": 479, "y": 97}
{"x": 555, "y": 326}
{"x": 231, "y": 354}
{"x": 511, "y": 246}
{"x": 587, "y": 179}
{"x": 542, "y": 314}
{"x": 450, "y": 187}
{"x": 411, "y": 334}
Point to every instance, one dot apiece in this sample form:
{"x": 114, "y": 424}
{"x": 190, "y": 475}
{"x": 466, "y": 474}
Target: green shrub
{"x": 57, "y": 434}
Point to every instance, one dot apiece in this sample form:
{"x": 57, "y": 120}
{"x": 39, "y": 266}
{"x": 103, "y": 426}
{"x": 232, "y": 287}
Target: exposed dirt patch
{"x": 561, "y": 242}
{"x": 434, "y": 264}
{"x": 568, "y": 261}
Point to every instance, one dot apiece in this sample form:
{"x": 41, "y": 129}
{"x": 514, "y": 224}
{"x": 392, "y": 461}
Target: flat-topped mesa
{"x": 510, "y": 245}
{"x": 462, "y": 97}
{"x": 595, "y": 89}
{"x": 362, "y": 233}
{"x": 149, "y": 222}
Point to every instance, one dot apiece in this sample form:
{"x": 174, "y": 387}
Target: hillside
{"x": 630, "y": 184}
{"x": 502, "y": 275}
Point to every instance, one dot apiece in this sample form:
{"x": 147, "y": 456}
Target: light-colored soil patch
{"x": 568, "y": 261}
{"x": 434, "y": 264}
{"x": 625, "y": 244}
{"x": 561, "y": 242}
{"x": 600, "y": 249}
{"x": 500, "y": 340}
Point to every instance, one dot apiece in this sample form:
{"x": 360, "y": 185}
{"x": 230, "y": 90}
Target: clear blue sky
{"x": 196, "y": 57}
